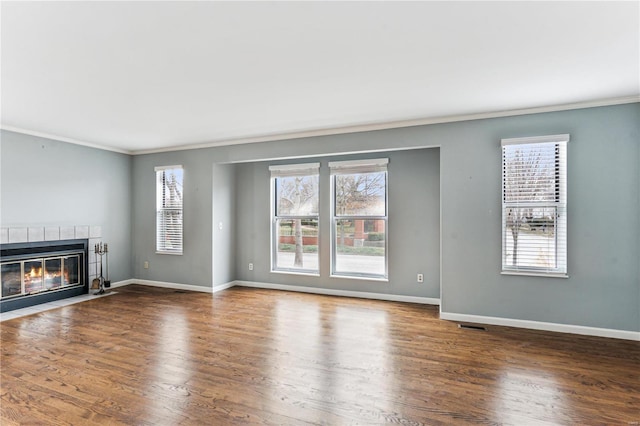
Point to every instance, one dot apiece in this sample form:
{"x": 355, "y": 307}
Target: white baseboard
{"x": 176, "y": 286}
{"x": 163, "y": 284}
{"x": 345, "y": 293}
{"x": 478, "y": 319}
{"x": 224, "y": 286}
{"x": 546, "y": 326}
{"x": 122, "y": 283}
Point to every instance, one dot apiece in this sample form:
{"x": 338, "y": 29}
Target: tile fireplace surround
{"x": 35, "y": 234}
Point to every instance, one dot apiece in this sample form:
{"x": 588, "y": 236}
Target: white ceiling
{"x": 140, "y": 76}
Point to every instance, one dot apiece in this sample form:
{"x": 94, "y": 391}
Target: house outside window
{"x": 359, "y": 218}
{"x": 169, "y": 209}
{"x": 295, "y": 218}
{"x": 534, "y": 205}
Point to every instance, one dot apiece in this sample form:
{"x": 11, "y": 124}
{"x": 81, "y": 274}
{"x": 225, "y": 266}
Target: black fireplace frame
{"x": 10, "y": 251}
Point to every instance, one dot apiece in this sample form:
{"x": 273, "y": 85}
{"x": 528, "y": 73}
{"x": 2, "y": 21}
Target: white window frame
{"x": 352, "y": 167}
{"x": 288, "y": 170}
{"x": 161, "y": 209}
{"x": 559, "y": 204}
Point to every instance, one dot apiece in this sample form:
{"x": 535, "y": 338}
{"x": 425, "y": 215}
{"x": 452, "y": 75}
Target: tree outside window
{"x": 359, "y": 225}
{"x": 534, "y": 206}
{"x": 295, "y": 219}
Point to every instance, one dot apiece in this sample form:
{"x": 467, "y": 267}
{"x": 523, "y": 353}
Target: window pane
{"x": 169, "y": 236}
{"x": 360, "y": 194}
{"x": 360, "y": 247}
{"x": 53, "y": 272}
{"x": 10, "y": 274}
{"x": 297, "y": 196}
{"x": 531, "y": 173}
{"x": 33, "y": 276}
{"x": 71, "y": 273}
{"x": 530, "y": 237}
{"x": 169, "y": 188}
{"x": 297, "y": 244}
{"x": 534, "y": 221}
{"x": 169, "y": 203}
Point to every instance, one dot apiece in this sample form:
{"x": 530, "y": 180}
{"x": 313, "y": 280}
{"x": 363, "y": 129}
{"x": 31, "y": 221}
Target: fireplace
{"x": 39, "y": 272}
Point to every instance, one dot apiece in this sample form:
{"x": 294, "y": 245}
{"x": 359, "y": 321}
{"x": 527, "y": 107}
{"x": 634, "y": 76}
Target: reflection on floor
{"x": 17, "y": 313}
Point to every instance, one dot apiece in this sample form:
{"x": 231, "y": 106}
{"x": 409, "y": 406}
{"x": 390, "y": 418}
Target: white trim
{"x": 358, "y": 166}
{"x": 361, "y": 277}
{"x": 122, "y": 283}
{"x": 65, "y": 139}
{"x": 162, "y": 284}
{"x": 358, "y": 163}
{"x": 528, "y": 273}
{"x": 294, "y": 272}
{"x": 396, "y": 124}
{"x": 341, "y": 130}
{"x": 344, "y": 293}
{"x": 163, "y": 168}
{"x": 449, "y": 316}
{"x": 546, "y": 326}
{"x": 176, "y": 286}
{"x": 536, "y": 139}
{"x": 293, "y": 167}
{"x": 331, "y": 154}
{"x": 224, "y": 286}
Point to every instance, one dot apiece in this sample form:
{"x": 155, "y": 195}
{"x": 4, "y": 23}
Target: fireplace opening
{"x": 33, "y": 273}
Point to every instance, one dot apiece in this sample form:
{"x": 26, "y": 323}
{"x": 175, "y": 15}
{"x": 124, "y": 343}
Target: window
{"x": 295, "y": 218}
{"x": 359, "y": 219}
{"x": 534, "y": 205}
{"x": 169, "y": 190}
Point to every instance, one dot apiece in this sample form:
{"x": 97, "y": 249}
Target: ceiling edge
{"x": 64, "y": 139}
{"x": 339, "y": 130}
{"x": 396, "y": 124}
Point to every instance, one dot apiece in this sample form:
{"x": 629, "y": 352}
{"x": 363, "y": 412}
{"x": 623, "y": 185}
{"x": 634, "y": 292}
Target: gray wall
{"x": 224, "y": 223}
{"x": 603, "y": 200}
{"x": 194, "y": 267}
{"x": 413, "y": 226}
{"x": 603, "y": 222}
{"x": 51, "y": 183}
{"x": 603, "y": 289}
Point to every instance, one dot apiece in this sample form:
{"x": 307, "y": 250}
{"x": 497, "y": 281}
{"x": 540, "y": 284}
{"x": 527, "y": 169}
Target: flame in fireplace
{"x": 51, "y": 275}
{"x": 35, "y": 272}
{"x": 39, "y": 274}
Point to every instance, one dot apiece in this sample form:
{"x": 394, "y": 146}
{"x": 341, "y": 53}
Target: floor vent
{"x": 472, "y": 327}
{"x": 180, "y": 291}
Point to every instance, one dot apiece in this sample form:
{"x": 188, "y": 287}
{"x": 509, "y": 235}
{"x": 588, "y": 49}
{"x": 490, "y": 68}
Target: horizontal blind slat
{"x": 534, "y": 215}
{"x": 169, "y": 212}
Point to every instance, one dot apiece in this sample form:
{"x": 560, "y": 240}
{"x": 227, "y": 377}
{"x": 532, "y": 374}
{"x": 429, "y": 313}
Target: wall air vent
{"x": 472, "y": 327}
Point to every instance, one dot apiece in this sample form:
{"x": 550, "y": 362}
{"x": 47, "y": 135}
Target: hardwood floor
{"x": 151, "y": 356}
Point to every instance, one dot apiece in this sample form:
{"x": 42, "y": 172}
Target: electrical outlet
{"x": 420, "y": 278}
{"x": 146, "y": 265}
{"x": 251, "y": 266}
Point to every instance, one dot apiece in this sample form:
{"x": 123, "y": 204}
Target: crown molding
{"x": 396, "y": 124}
{"x": 64, "y": 139}
{"x": 341, "y": 130}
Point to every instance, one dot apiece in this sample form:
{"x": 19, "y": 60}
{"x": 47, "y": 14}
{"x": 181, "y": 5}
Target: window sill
{"x": 308, "y": 274}
{"x": 535, "y": 274}
{"x": 361, "y": 278}
{"x": 168, "y": 252}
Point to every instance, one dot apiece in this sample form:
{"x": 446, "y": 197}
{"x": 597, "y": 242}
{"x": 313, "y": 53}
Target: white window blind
{"x": 534, "y": 205}
{"x": 169, "y": 209}
{"x": 358, "y": 166}
{"x": 286, "y": 170}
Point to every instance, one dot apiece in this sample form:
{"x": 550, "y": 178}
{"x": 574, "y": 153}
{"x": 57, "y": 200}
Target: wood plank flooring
{"x": 151, "y": 356}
